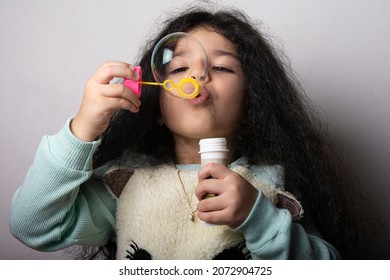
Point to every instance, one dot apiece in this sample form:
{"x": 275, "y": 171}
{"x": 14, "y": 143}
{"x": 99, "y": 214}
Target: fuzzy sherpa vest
{"x": 153, "y": 215}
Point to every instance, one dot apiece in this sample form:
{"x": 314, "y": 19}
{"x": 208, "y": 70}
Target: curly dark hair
{"x": 280, "y": 126}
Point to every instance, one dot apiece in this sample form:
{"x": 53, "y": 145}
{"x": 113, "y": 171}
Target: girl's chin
{"x": 194, "y": 134}
{"x": 198, "y": 129}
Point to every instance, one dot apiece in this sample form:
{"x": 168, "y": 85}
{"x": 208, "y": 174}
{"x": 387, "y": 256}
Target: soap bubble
{"x": 179, "y": 64}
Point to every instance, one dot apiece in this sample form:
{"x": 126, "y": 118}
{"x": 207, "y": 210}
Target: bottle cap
{"x": 211, "y": 145}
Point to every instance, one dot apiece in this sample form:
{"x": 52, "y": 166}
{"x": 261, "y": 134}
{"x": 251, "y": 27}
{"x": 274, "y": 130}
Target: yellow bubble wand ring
{"x": 168, "y": 85}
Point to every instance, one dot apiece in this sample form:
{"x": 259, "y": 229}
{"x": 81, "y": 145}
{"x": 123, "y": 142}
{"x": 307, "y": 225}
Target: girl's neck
{"x": 186, "y": 151}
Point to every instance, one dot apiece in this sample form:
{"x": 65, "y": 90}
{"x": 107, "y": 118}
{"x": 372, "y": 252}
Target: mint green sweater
{"x": 61, "y": 204}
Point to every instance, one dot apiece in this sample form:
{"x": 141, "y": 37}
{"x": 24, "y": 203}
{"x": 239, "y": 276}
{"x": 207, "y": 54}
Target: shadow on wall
{"x": 368, "y": 148}
{"x": 371, "y": 168}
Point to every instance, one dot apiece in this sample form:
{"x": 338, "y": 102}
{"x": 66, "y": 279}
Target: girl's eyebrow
{"x": 181, "y": 52}
{"x": 219, "y": 52}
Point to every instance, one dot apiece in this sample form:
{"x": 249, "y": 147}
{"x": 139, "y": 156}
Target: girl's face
{"x": 218, "y": 109}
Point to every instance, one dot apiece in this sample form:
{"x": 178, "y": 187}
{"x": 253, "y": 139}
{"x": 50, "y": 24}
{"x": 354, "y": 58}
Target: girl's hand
{"x": 101, "y": 99}
{"x": 234, "y": 198}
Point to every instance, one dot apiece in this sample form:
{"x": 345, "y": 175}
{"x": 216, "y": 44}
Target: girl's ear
{"x": 117, "y": 179}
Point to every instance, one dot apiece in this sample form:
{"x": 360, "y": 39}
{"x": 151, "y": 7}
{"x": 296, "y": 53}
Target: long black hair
{"x": 279, "y": 127}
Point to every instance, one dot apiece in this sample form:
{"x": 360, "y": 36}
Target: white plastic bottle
{"x": 213, "y": 150}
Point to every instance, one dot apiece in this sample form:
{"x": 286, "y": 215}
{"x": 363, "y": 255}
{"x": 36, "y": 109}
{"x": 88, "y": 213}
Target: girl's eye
{"x": 223, "y": 69}
{"x": 178, "y": 70}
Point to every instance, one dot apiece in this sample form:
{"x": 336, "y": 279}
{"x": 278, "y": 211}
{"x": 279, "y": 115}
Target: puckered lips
{"x": 202, "y": 98}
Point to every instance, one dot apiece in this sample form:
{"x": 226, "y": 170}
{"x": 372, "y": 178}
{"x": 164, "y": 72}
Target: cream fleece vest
{"x": 153, "y": 214}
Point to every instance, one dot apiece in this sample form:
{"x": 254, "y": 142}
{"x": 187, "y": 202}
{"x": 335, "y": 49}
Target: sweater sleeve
{"x": 271, "y": 234}
{"x": 59, "y": 204}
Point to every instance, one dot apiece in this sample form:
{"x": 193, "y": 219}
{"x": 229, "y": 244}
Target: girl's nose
{"x": 199, "y": 69}
{"x": 201, "y": 76}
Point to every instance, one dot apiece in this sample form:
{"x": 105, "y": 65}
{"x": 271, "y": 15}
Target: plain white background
{"x": 340, "y": 50}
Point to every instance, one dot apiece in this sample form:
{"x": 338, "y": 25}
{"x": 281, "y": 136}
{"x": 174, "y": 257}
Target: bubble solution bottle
{"x": 213, "y": 150}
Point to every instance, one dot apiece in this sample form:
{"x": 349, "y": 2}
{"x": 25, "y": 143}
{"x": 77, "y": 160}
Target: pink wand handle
{"x": 135, "y": 86}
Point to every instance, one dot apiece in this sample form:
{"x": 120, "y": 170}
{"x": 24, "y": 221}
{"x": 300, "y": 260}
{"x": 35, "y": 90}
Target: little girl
{"x": 124, "y": 174}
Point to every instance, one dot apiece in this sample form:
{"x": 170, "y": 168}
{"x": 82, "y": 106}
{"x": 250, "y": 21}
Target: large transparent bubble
{"x": 179, "y": 64}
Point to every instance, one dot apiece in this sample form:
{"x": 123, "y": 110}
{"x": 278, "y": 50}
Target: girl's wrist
{"x": 80, "y": 133}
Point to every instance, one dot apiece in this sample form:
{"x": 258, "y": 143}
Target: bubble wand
{"x": 168, "y": 85}
{"x": 174, "y": 56}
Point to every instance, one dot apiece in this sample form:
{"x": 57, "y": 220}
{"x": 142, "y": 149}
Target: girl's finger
{"x": 211, "y": 204}
{"x": 119, "y": 91}
{"x": 209, "y": 186}
{"x": 121, "y": 103}
{"x": 126, "y": 105}
{"x": 215, "y": 170}
{"x": 110, "y": 70}
{"x": 213, "y": 217}
{"x": 115, "y": 63}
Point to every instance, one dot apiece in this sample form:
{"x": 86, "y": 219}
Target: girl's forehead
{"x": 212, "y": 40}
